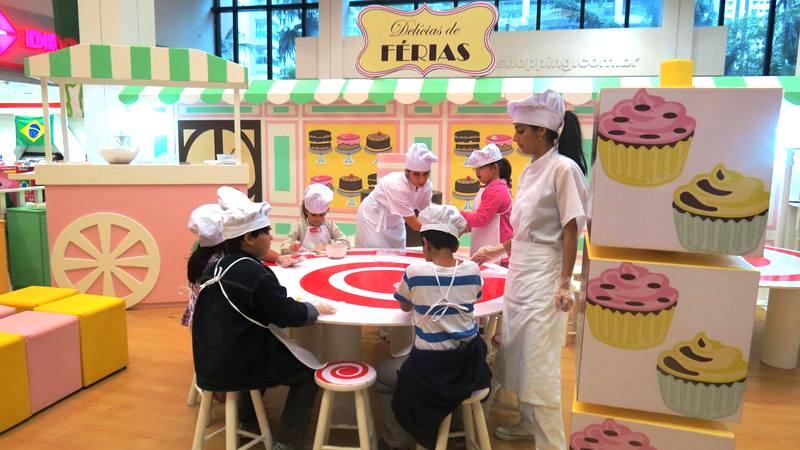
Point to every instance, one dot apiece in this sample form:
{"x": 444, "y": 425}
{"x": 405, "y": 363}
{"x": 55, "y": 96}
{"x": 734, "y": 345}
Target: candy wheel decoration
{"x": 346, "y": 373}
{"x": 111, "y": 249}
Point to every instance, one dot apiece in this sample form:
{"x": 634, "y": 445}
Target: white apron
{"x": 488, "y": 234}
{"x": 312, "y": 240}
{"x": 302, "y": 355}
{"x": 377, "y": 227}
{"x": 532, "y": 326}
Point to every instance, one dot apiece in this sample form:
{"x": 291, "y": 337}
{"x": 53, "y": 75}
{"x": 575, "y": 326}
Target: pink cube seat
{"x": 6, "y": 311}
{"x": 52, "y": 347}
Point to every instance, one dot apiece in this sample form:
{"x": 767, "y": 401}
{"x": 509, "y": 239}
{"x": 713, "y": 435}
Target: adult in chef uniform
{"x": 549, "y": 213}
{"x": 490, "y": 224}
{"x": 382, "y": 215}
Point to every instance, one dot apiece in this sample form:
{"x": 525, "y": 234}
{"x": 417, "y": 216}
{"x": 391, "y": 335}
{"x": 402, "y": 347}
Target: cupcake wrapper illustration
{"x": 642, "y": 165}
{"x": 627, "y": 330}
{"x": 705, "y": 401}
{"x": 731, "y": 237}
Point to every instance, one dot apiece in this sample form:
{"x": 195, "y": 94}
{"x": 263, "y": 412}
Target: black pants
{"x": 296, "y": 411}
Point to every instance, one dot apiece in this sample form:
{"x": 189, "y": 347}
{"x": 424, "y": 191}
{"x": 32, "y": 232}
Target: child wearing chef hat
{"x": 448, "y": 360}
{"x": 238, "y": 330}
{"x": 313, "y": 231}
{"x": 206, "y": 222}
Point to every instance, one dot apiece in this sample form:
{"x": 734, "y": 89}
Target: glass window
{"x": 785, "y": 38}
{"x": 747, "y": 31}
{"x": 251, "y": 46}
{"x": 312, "y": 22}
{"x": 440, "y": 6}
{"x": 226, "y": 35}
{"x": 604, "y": 14}
{"x": 645, "y": 14}
{"x": 252, "y": 2}
{"x": 353, "y": 11}
{"x": 261, "y": 28}
{"x": 560, "y": 14}
{"x": 287, "y": 2}
{"x": 286, "y": 27}
{"x": 517, "y": 15}
{"x": 706, "y": 13}
{"x": 224, "y": 3}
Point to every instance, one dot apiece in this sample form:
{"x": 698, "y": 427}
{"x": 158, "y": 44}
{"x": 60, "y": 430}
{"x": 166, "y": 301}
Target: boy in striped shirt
{"x": 448, "y": 360}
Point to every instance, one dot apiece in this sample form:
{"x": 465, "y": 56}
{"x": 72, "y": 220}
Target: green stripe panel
{"x": 465, "y": 240}
{"x": 130, "y": 94}
{"x": 425, "y": 140}
{"x": 215, "y": 109}
{"x": 217, "y": 69}
{"x": 348, "y": 109}
{"x": 382, "y": 90}
{"x": 170, "y": 95}
{"x": 792, "y": 97}
{"x": 729, "y": 82}
{"x": 481, "y": 110}
{"x": 303, "y": 91}
{"x": 790, "y": 84}
{"x": 60, "y": 63}
{"x": 488, "y": 91}
{"x": 26, "y": 67}
{"x": 281, "y": 109}
{"x": 434, "y": 90}
{"x": 283, "y": 228}
{"x": 179, "y": 64}
{"x": 211, "y": 96}
{"x": 605, "y": 82}
{"x": 584, "y": 110}
{"x": 257, "y": 91}
{"x": 349, "y": 229}
{"x": 100, "y": 60}
{"x": 282, "y": 164}
{"x": 423, "y": 109}
{"x": 140, "y": 63}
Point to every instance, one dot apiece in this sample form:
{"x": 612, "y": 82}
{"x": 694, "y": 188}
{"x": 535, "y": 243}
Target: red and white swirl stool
{"x": 346, "y": 376}
{"x": 231, "y": 429}
{"x": 474, "y": 421}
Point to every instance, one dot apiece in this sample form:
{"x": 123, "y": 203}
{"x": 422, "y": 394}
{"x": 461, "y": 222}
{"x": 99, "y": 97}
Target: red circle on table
{"x": 318, "y": 283}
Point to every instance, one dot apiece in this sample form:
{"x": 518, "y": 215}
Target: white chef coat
{"x": 380, "y": 223}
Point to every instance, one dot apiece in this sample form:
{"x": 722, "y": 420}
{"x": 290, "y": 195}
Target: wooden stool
{"x": 194, "y": 392}
{"x": 231, "y": 427}
{"x": 346, "y": 376}
{"x": 473, "y": 418}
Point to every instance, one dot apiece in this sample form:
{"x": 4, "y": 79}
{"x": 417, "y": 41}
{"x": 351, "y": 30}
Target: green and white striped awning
{"x": 576, "y": 91}
{"x": 136, "y": 66}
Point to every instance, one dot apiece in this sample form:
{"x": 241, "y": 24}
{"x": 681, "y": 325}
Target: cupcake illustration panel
{"x": 684, "y": 169}
{"x": 599, "y": 428}
{"x": 666, "y": 327}
{"x": 463, "y": 139}
{"x": 342, "y": 155}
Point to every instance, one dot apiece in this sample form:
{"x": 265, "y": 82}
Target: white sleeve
{"x": 398, "y": 197}
{"x": 571, "y": 194}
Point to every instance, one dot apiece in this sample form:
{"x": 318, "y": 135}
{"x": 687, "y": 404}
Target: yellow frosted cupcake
{"x": 644, "y": 141}
{"x": 702, "y": 378}
{"x": 722, "y": 212}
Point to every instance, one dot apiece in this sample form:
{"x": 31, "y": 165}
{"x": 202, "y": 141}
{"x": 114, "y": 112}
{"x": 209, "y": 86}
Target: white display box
{"x": 665, "y": 332}
{"x": 684, "y": 170}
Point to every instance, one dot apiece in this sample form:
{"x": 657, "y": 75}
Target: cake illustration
{"x": 467, "y": 141}
{"x": 644, "y": 141}
{"x": 319, "y": 141}
{"x": 378, "y": 143}
{"x": 630, "y": 307}
{"x": 372, "y": 180}
{"x": 722, "y": 211}
{"x": 607, "y": 436}
{"x": 350, "y": 184}
{"x": 348, "y": 144}
{"x": 702, "y": 378}
{"x": 323, "y": 179}
{"x": 467, "y": 187}
{"x": 502, "y": 141}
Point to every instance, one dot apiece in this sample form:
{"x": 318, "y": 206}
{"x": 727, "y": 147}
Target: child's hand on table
{"x": 324, "y": 308}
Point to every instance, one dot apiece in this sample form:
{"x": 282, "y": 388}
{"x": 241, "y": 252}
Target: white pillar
{"x": 685, "y": 35}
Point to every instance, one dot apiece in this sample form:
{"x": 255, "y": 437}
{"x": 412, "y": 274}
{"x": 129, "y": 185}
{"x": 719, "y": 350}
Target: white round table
{"x": 780, "y": 272}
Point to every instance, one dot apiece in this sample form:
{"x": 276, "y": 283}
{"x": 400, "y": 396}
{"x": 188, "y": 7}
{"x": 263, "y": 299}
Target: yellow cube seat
{"x": 14, "y": 392}
{"x": 104, "y": 332}
{"x": 29, "y": 298}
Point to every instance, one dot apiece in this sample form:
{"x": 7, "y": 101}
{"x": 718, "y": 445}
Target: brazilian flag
{"x": 30, "y": 130}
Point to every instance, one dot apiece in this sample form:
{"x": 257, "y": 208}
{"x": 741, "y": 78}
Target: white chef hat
{"x": 419, "y": 158}
{"x": 545, "y": 109}
{"x": 487, "y": 155}
{"x": 228, "y": 197}
{"x": 206, "y": 222}
{"x": 317, "y": 198}
{"x": 240, "y": 214}
{"x": 443, "y": 218}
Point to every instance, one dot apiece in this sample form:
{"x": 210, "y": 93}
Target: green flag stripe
{"x": 256, "y": 93}
{"x": 723, "y": 82}
{"x": 212, "y": 96}
{"x": 170, "y": 95}
{"x": 60, "y": 63}
{"x": 382, "y": 90}
{"x": 605, "y": 82}
{"x": 217, "y": 69}
{"x": 488, "y": 90}
{"x": 434, "y": 90}
{"x": 303, "y": 91}
{"x": 140, "y": 63}
{"x": 792, "y": 97}
{"x": 130, "y": 94}
{"x": 100, "y": 60}
{"x": 178, "y": 64}
{"x": 790, "y": 84}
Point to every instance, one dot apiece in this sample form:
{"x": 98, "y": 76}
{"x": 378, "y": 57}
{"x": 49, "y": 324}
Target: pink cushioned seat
{"x": 6, "y": 311}
{"x": 52, "y": 345}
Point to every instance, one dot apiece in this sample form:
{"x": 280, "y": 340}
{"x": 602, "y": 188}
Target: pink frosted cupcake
{"x": 630, "y": 307}
{"x": 644, "y": 141}
{"x": 609, "y": 436}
